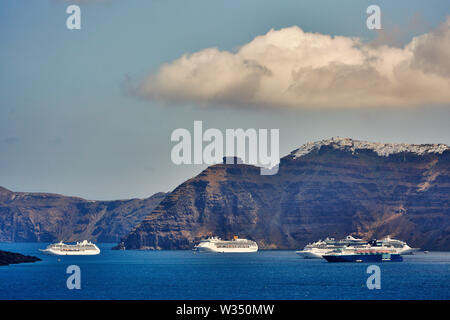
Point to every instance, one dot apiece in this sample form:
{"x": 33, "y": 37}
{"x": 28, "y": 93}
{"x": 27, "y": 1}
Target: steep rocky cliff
{"x": 328, "y": 188}
{"x": 51, "y": 217}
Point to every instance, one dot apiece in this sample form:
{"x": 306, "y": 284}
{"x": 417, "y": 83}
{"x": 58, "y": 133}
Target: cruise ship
{"x": 370, "y": 254}
{"x": 215, "y": 244}
{"x": 318, "y": 249}
{"x": 83, "y": 248}
{"x": 399, "y": 246}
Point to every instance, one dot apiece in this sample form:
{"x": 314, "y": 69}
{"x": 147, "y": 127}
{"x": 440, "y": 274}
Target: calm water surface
{"x": 184, "y": 275}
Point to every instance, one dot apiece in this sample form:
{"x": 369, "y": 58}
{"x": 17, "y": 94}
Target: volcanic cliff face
{"x": 328, "y": 188}
{"x": 30, "y": 217}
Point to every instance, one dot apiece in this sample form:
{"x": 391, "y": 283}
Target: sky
{"x": 90, "y": 112}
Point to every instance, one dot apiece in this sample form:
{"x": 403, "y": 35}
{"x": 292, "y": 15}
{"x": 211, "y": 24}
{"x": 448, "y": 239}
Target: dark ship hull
{"x": 377, "y": 257}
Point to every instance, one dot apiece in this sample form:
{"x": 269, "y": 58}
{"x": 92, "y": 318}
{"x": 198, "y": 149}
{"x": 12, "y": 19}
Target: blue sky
{"x": 67, "y": 126}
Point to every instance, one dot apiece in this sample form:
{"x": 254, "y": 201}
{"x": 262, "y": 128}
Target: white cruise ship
{"x": 317, "y": 249}
{"x": 215, "y": 244}
{"x": 398, "y": 246}
{"x": 83, "y": 248}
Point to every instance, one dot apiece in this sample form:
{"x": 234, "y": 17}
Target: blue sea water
{"x": 185, "y": 275}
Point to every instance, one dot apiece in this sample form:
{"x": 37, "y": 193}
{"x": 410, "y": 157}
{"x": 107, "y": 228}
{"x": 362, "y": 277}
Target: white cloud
{"x": 295, "y": 69}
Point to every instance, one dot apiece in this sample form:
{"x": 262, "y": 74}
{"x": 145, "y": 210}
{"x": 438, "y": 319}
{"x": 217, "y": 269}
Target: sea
{"x": 184, "y": 275}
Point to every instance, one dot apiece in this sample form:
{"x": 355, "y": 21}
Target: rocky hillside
{"x": 7, "y": 258}
{"x": 328, "y": 188}
{"x": 30, "y": 217}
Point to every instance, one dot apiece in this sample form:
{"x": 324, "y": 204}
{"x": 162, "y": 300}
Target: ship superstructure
{"x": 399, "y": 246}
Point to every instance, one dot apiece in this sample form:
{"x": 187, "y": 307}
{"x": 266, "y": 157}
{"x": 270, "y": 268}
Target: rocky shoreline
{"x": 7, "y": 258}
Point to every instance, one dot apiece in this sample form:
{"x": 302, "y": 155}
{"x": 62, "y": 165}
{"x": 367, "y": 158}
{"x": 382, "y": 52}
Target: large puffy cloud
{"x": 295, "y": 69}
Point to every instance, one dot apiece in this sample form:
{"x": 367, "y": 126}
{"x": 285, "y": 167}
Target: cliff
{"x": 331, "y": 187}
{"x": 45, "y": 217}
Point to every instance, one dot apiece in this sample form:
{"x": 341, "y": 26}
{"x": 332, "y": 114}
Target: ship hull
{"x": 364, "y": 258}
{"x": 224, "y": 250}
{"x": 309, "y": 254}
{"x": 409, "y": 251}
